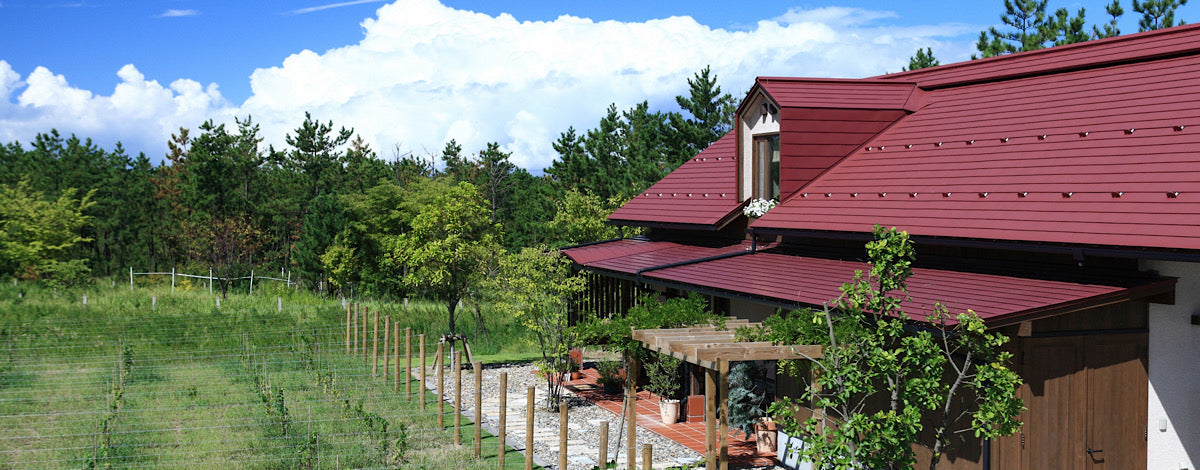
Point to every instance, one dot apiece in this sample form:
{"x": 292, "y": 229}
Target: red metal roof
{"x": 841, "y": 93}
{"x": 1098, "y": 157}
{"x": 702, "y": 191}
{"x": 814, "y": 281}
{"x": 633, "y": 254}
{"x": 1090, "y": 54}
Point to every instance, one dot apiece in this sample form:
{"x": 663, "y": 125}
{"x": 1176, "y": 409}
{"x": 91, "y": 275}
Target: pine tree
{"x": 1110, "y": 30}
{"x": 1031, "y": 29}
{"x": 710, "y": 116}
{"x": 923, "y": 58}
{"x": 1157, "y": 14}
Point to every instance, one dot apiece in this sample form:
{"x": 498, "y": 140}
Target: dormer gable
{"x": 792, "y": 129}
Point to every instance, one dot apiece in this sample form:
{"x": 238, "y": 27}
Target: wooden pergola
{"x": 714, "y": 349}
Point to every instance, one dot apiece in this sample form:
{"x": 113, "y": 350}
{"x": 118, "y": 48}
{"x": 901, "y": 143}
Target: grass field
{"x": 160, "y": 379}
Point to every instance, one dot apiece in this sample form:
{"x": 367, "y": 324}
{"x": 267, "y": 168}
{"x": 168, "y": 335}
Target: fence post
{"x": 562, "y": 434}
{"x": 387, "y": 358}
{"x": 279, "y": 304}
{"x": 457, "y": 397}
{"x": 503, "y": 417}
{"x": 210, "y": 279}
{"x": 441, "y": 384}
{"x": 408, "y": 362}
{"x": 84, "y": 300}
{"x": 478, "y": 407}
{"x": 172, "y": 279}
{"x": 603, "y": 444}
{"x": 218, "y": 302}
{"x": 130, "y": 280}
{"x": 529, "y": 399}
{"x": 153, "y": 302}
{"x": 365, "y": 313}
{"x": 349, "y": 321}
{"x": 421, "y": 352}
{"x": 251, "y": 282}
{"x": 647, "y": 456}
{"x": 396, "y": 359}
{"x": 375, "y": 344}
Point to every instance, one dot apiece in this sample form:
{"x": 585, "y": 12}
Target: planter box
{"x": 788, "y": 455}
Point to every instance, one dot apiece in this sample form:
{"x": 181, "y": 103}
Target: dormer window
{"x": 759, "y": 148}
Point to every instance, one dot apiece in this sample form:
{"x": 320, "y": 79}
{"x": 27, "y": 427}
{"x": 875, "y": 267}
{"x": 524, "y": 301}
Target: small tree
{"x": 38, "y": 234}
{"x": 871, "y": 357}
{"x": 536, "y": 288}
{"x": 922, "y": 59}
{"x": 449, "y": 240}
{"x": 1157, "y": 14}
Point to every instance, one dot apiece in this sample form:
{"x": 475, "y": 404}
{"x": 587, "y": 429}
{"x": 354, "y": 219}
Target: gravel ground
{"x": 583, "y": 421}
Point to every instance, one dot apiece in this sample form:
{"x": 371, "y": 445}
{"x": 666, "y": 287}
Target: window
{"x": 766, "y": 166}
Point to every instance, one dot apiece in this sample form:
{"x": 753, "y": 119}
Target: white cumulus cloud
{"x": 424, "y": 73}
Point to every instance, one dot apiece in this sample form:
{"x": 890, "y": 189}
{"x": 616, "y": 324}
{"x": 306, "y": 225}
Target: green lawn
{"x": 175, "y": 382}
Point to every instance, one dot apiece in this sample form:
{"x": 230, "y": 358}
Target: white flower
{"x": 758, "y": 207}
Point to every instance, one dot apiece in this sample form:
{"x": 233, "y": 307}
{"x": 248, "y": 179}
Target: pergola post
{"x": 723, "y": 398}
{"x": 710, "y": 415}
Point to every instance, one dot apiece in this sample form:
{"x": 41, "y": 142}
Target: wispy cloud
{"x": 173, "y": 13}
{"x": 332, "y": 5}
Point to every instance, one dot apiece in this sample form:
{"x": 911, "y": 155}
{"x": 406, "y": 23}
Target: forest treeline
{"x": 326, "y": 206}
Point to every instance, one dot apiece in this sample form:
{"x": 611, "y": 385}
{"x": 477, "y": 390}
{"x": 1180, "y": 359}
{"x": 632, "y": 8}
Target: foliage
{"x": 610, "y": 373}
{"x": 870, "y": 354}
{"x": 339, "y": 262}
{"x": 36, "y": 232}
{"x": 922, "y": 59}
{"x": 1157, "y": 14}
{"x": 616, "y": 333}
{"x": 747, "y": 396}
{"x": 1031, "y": 28}
{"x": 1114, "y": 11}
{"x": 665, "y": 376}
{"x": 536, "y": 288}
{"x": 581, "y": 218}
{"x": 445, "y": 249}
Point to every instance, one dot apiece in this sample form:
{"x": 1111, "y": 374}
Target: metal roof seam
{"x": 1039, "y": 137}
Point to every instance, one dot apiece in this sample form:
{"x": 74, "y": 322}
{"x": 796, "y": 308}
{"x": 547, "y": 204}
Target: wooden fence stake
{"x": 457, "y": 398}
{"x": 503, "y": 417}
{"x": 396, "y": 359}
{"x": 421, "y": 351}
{"x": 356, "y": 339}
{"x": 375, "y": 344}
{"x": 347, "y": 329}
{"x": 365, "y": 313}
{"x": 441, "y": 386}
{"x": 408, "y": 363}
{"x": 478, "y": 408}
{"x": 562, "y": 434}
{"x": 603, "y": 444}
{"x": 387, "y": 358}
{"x": 529, "y": 398}
{"x": 647, "y": 457}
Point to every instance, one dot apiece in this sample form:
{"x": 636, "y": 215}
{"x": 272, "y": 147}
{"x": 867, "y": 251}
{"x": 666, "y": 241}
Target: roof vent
{"x": 705, "y": 194}
{"x": 870, "y": 148}
{"x": 1004, "y": 140}
{"x": 881, "y": 147}
{"x": 804, "y": 195}
{"x": 1118, "y": 194}
{"x": 1023, "y": 194}
{"x": 1084, "y": 134}
{"x": 1179, "y": 127}
{"x": 1043, "y": 137}
{"x": 689, "y": 194}
{"x": 939, "y": 144}
{"x": 674, "y": 194}
{"x": 882, "y": 194}
{"x": 980, "y": 194}
{"x": 828, "y": 194}
{"x": 659, "y": 194}
{"x": 908, "y": 146}
{"x": 912, "y": 194}
{"x": 971, "y": 142}
{"x": 1068, "y": 194}
{"x": 854, "y": 195}
{"x": 1129, "y": 131}
{"x": 946, "y": 194}
{"x": 722, "y": 194}
{"x": 1173, "y": 194}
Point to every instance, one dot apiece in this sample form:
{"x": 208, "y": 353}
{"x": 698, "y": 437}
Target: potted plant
{"x": 576, "y": 357}
{"x": 748, "y": 402}
{"x": 783, "y": 413}
{"x": 610, "y": 376}
{"x": 665, "y": 382}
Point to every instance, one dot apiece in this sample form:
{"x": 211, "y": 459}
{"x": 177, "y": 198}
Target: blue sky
{"x": 410, "y": 74}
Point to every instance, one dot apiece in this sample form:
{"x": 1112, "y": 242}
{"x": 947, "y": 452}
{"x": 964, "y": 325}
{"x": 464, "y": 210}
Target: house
{"x": 1054, "y": 192}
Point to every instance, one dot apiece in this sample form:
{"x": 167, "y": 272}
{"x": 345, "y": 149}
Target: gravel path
{"x": 583, "y": 421}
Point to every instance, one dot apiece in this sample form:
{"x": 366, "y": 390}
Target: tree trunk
{"x": 451, "y": 305}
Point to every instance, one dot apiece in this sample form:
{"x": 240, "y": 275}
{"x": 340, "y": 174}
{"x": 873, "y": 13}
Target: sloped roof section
{"x": 1103, "y": 156}
{"x": 632, "y": 255}
{"x": 701, "y": 192}
{"x": 814, "y": 281}
{"x": 841, "y": 93}
{"x": 1140, "y": 47}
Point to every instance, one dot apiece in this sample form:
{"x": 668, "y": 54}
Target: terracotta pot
{"x": 765, "y": 435}
{"x": 669, "y": 410}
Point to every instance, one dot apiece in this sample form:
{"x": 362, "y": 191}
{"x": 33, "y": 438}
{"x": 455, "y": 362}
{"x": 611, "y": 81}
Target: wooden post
{"x": 375, "y": 344}
{"x": 603, "y": 444}
{"x": 387, "y": 358}
{"x": 457, "y": 397}
{"x": 408, "y": 362}
{"x": 251, "y": 281}
{"x": 348, "y": 322}
{"x": 631, "y": 375}
{"x": 131, "y": 280}
{"x": 562, "y": 434}
{"x": 172, "y": 279}
{"x": 710, "y": 415}
{"x": 647, "y": 457}
{"x": 396, "y": 360}
{"x": 365, "y": 313}
{"x": 529, "y": 411}
{"x": 210, "y": 280}
{"x": 503, "y": 417}
{"x": 441, "y": 386}
{"x": 478, "y": 408}
{"x": 421, "y": 388}
{"x": 723, "y": 398}
{"x": 357, "y": 334}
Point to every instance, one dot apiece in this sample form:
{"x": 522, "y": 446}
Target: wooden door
{"x": 1080, "y": 393}
{"x": 1118, "y": 397}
